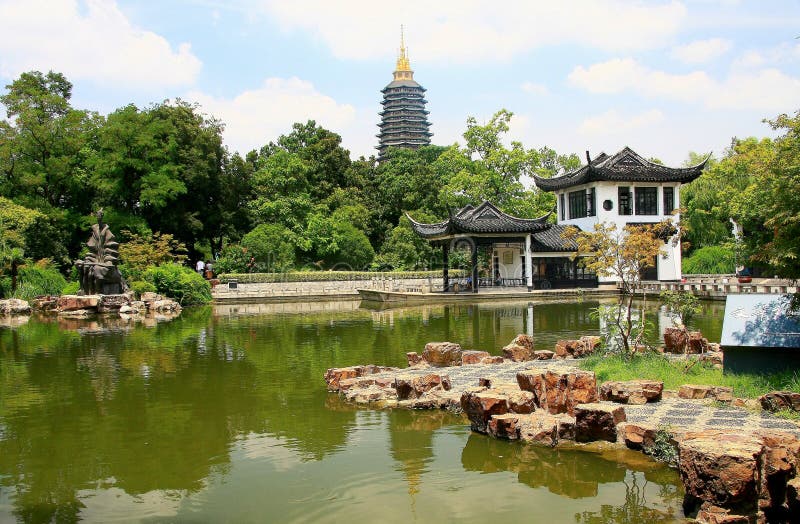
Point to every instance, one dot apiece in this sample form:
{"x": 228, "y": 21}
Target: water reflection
{"x": 160, "y": 411}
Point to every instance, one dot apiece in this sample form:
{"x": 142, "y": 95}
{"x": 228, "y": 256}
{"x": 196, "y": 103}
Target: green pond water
{"x": 221, "y": 415}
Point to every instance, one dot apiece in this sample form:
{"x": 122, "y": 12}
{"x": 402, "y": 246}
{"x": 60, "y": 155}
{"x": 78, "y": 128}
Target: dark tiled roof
{"x": 625, "y": 166}
{"x": 402, "y": 83}
{"x": 551, "y": 240}
{"x": 486, "y": 218}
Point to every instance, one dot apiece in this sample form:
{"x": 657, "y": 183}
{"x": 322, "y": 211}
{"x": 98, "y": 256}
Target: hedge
{"x": 329, "y": 276}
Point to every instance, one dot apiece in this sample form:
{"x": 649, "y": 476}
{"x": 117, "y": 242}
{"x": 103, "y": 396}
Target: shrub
{"x": 710, "y": 260}
{"x": 272, "y": 247}
{"x": 142, "y": 286}
{"x": 39, "y": 279}
{"x": 141, "y": 252}
{"x": 332, "y": 276}
{"x": 353, "y": 248}
{"x": 179, "y": 283}
{"x": 71, "y": 288}
{"x": 233, "y": 259}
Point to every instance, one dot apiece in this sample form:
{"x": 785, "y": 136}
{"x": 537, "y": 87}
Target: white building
{"x": 623, "y": 189}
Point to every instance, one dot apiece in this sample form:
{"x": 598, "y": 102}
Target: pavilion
{"x": 524, "y": 252}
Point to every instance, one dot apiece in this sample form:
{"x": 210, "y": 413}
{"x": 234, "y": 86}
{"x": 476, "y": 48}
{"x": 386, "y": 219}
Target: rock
{"x": 108, "y": 303}
{"x": 793, "y": 496}
{"x": 45, "y": 303}
{"x": 716, "y": 358}
{"x": 523, "y": 340}
{"x": 505, "y": 426}
{"x": 675, "y": 340}
{"x": 127, "y": 310}
{"x": 697, "y": 344}
{"x": 479, "y": 407}
{"x": 492, "y": 360}
{"x": 75, "y": 302}
{"x": 334, "y": 376}
{"x": 778, "y": 467}
{"x": 164, "y": 305}
{"x": 597, "y": 421}
{"x": 711, "y": 514}
{"x": 540, "y": 428}
{"x": 76, "y": 313}
{"x": 442, "y": 354}
{"x": 473, "y": 357}
{"x": 632, "y": 391}
{"x": 519, "y": 401}
{"x": 414, "y": 359}
{"x": 149, "y": 296}
{"x": 558, "y": 392}
{"x": 485, "y": 382}
{"x": 139, "y": 306}
{"x": 569, "y": 348}
{"x": 778, "y": 400}
{"x": 695, "y": 391}
{"x": 721, "y": 468}
{"x": 14, "y": 306}
{"x": 414, "y": 387}
{"x": 590, "y": 342}
{"x": 722, "y": 393}
{"x": 543, "y": 354}
{"x": 517, "y": 353}
{"x": 639, "y": 436}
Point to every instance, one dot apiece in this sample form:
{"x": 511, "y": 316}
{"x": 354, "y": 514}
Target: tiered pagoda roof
{"x": 404, "y": 120}
{"x": 624, "y": 166}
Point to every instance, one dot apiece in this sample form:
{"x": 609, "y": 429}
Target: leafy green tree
{"x": 710, "y": 260}
{"x": 553, "y": 164}
{"x": 272, "y": 248}
{"x": 404, "y": 249}
{"x": 140, "y": 252}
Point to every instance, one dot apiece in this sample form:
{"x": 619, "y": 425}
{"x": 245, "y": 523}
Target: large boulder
{"x": 473, "y": 357}
{"x": 109, "y": 303}
{"x": 334, "y": 376}
{"x": 442, "y": 354}
{"x": 76, "y": 302}
{"x": 779, "y": 400}
{"x": 701, "y": 391}
{"x": 415, "y": 387}
{"x": 675, "y": 340}
{"x": 559, "y": 392}
{"x": 517, "y": 353}
{"x": 632, "y": 391}
{"x": 697, "y": 343}
{"x": 523, "y": 340}
{"x": 414, "y": 359}
{"x": 14, "y": 306}
{"x": 480, "y": 406}
{"x": 597, "y": 421}
{"x": 505, "y": 426}
{"x": 639, "y": 436}
{"x": 543, "y": 354}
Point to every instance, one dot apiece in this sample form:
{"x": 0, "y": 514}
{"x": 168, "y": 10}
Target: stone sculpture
{"x": 98, "y": 271}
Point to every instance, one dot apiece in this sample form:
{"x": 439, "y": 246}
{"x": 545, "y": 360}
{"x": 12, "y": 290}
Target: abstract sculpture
{"x": 98, "y": 271}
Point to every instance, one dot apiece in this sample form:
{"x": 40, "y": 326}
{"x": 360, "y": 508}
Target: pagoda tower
{"x": 404, "y": 120}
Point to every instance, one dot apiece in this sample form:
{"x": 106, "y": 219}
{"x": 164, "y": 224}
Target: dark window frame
{"x": 624, "y": 201}
{"x": 591, "y": 202}
{"x": 577, "y": 204}
{"x": 563, "y": 208}
{"x": 669, "y": 199}
{"x": 645, "y": 200}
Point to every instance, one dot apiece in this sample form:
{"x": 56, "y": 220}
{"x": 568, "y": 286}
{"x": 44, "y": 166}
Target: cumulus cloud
{"x": 701, "y": 51}
{"x": 535, "y": 88}
{"x": 766, "y": 90}
{"x": 465, "y": 31}
{"x": 90, "y": 39}
{"x": 255, "y": 117}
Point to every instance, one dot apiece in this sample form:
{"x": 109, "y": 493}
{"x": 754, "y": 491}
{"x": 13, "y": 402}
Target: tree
{"x": 142, "y": 251}
{"x": 271, "y": 246}
{"x": 404, "y": 249}
{"x": 623, "y": 254}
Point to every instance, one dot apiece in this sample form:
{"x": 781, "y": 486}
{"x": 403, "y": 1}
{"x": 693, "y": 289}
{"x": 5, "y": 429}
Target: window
{"x": 646, "y": 200}
{"x": 561, "y": 205}
{"x": 577, "y": 204}
{"x": 591, "y": 209}
{"x": 669, "y": 200}
{"x": 624, "y": 194}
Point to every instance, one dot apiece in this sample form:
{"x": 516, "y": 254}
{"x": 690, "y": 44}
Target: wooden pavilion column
{"x": 445, "y": 267}
{"x": 528, "y": 264}
{"x": 474, "y": 266}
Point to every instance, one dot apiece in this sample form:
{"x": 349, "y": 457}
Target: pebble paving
{"x": 679, "y": 414}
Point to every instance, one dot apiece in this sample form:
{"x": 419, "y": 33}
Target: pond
{"x": 222, "y": 415}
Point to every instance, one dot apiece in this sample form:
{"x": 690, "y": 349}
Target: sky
{"x": 662, "y": 77}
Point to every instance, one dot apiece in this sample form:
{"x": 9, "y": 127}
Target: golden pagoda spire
{"x": 403, "y": 70}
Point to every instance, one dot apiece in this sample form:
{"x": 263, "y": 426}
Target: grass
{"x": 654, "y": 366}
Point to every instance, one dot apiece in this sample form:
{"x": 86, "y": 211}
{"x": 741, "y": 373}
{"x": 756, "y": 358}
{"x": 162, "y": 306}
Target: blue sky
{"x": 661, "y": 77}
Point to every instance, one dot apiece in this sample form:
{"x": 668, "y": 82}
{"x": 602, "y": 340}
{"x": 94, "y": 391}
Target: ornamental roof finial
{"x": 403, "y": 64}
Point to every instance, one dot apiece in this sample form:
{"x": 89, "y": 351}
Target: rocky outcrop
{"x": 780, "y": 400}
{"x": 632, "y": 391}
{"x": 559, "y": 392}
{"x": 442, "y": 354}
{"x": 14, "y": 306}
{"x": 576, "y": 348}
{"x": 334, "y": 376}
{"x": 597, "y": 421}
{"x": 415, "y": 387}
{"x": 699, "y": 391}
{"x": 744, "y": 474}
{"x": 76, "y": 302}
{"x": 109, "y": 303}
{"x": 473, "y": 357}
{"x": 480, "y": 406}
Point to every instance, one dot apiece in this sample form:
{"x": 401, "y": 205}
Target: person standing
{"x": 209, "y": 270}
{"x": 200, "y": 267}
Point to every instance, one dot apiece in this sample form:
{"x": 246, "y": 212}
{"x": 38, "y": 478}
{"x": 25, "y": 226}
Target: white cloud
{"x": 766, "y": 90}
{"x": 781, "y": 54}
{"x": 535, "y": 88}
{"x": 91, "y": 39}
{"x": 465, "y": 31}
{"x": 613, "y": 122}
{"x": 257, "y": 116}
{"x": 701, "y": 51}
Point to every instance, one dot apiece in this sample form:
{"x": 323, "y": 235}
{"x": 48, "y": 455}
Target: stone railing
{"x": 719, "y": 286}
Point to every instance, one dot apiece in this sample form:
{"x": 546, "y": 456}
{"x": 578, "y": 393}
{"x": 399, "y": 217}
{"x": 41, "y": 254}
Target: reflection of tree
{"x": 771, "y": 326}
{"x": 633, "y": 511}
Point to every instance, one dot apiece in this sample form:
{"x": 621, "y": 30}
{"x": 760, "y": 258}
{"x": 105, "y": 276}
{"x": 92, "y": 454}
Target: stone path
{"x": 677, "y": 413}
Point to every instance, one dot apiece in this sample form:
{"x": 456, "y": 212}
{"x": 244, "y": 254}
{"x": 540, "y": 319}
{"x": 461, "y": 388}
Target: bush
{"x": 332, "y": 276}
{"x": 179, "y": 283}
{"x": 141, "y": 252}
{"x": 39, "y": 279}
{"x": 233, "y": 259}
{"x": 142, "y": 286}
{"x": 71, "y": 288}
{"x": 353, "y": 248}
{"x": 710, "y": 260}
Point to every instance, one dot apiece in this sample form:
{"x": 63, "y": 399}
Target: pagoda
{"x": 404, "y": 120}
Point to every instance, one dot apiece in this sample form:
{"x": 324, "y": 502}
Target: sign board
{"x": 760, "y": 320}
